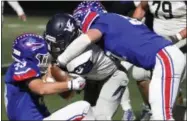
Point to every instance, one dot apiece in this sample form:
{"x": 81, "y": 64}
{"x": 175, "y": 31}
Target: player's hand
{"x": 23, "y": 17}
{"x": 77, "y": 84}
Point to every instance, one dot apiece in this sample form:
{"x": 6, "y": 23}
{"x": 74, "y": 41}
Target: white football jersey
{"x": 92, "y": 64}
{"x": 169, "y": 17}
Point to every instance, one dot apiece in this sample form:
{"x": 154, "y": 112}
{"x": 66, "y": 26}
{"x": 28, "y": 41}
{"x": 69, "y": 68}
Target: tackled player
{"x": 92, "y": 64}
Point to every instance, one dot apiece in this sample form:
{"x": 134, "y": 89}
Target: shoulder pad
{"x": 25, "y": 70}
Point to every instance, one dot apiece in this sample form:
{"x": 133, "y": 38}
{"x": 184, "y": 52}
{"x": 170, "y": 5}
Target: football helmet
{"x": 81, "y": 13}
{"x": 61, "y": 30}
{"x": 31, "y": 47}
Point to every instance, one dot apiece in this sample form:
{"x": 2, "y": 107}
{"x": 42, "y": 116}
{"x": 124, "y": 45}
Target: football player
{"x": 169, "y": 18}
{"x": 169, "y": 22}
{"x": 131, "y": 40}
{"x": 25, "y": 87}
{"x": 92, "y": 64}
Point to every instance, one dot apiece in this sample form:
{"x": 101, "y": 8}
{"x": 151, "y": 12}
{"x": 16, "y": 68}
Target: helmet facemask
{"x": 43, "y": 61}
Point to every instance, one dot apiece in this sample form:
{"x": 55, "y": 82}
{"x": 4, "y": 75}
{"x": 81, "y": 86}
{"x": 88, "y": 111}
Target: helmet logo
{"x": 69, "y": 26}
{"x": 32, "y": 44}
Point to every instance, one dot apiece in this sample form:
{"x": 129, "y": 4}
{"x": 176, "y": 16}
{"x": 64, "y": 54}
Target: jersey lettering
{"x": 84, "y": 68}
{"x": 132, "y": 20}
{"x": 166, "y": 8}
{"x": 22, "y": 72}
{"x": 79, "y": 70}
{"x": 82, "y": 64}
{"x": 18, "y": 66}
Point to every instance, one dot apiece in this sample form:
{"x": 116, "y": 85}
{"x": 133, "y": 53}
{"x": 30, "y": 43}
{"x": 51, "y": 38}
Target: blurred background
{"x": 36, "y": 15}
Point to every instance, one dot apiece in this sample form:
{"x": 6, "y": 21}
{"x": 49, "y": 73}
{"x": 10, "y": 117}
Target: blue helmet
{"x": 30, "y": 47}
{"x": 87, "y": 12}
{"x": 60, "y": 31}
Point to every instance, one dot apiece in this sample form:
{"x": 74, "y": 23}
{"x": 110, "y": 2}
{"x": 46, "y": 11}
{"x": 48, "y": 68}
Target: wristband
{"x": 179, "y": 37}
{"x": 70, "y": 85}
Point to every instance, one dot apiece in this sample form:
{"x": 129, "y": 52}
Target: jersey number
{"x": 17, "y": 66}
{"x": 132, "y": 20}
{"x": 166, "y": 8}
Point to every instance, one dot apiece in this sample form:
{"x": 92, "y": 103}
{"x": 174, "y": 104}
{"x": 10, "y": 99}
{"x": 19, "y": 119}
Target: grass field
{"x": 12, "y": 27}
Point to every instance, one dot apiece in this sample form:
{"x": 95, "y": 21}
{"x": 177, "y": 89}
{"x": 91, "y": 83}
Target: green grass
{"x": 53, "y": 102}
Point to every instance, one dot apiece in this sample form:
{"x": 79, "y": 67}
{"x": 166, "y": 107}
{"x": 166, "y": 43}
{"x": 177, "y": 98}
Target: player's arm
{"x": 140, "y": 11}
{"x": 79, "y": 45}
{"x": 39, "y": 87}
{"x": 63, "y": 82}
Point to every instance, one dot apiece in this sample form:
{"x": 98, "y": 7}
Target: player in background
{"x": 93, "y": 65}
{"x": 131, "y": 40}
{"x": 25, "y": 85}
{"x": 169, "y": 22}
{"x": 169, "y": 18}
{"x": 17, "y": 8}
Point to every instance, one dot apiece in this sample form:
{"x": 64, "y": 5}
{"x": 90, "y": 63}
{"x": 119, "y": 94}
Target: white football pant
{"x": 80, "y": 110}
{"x": 165, "y": 81}
{"x": 125, "y": 100}
{"x": 110, "y": 96}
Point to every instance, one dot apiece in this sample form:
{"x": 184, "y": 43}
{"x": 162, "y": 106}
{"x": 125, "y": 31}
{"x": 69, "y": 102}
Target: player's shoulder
{"x": 106, "y": 19}
{"x": 21, "y": 71}
{"x": 105, "y": 16}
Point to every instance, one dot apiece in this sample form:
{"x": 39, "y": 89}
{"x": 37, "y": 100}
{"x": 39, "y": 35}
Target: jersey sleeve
{"x": 25, "y": 71}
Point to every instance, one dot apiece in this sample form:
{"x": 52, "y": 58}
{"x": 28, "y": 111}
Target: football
{"x": 61, "y": 76}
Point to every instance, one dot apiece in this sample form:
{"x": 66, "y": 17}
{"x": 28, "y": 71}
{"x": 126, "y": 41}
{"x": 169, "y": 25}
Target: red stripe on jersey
{"x": 21, "y": 77}
{"x": 88, "y": 20}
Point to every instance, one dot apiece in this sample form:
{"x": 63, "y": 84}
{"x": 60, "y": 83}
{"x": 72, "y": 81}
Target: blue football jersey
{"x": 127, "y": 38}
{"x": 21, "y": 103}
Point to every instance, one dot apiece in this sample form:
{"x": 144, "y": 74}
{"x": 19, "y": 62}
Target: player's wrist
{"x": 70, "y": 85}
{"x": 178, "y": 36}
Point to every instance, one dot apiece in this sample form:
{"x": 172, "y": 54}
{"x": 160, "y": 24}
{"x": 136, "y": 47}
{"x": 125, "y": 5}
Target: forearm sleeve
{"x": 74, "y": 49}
